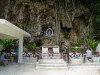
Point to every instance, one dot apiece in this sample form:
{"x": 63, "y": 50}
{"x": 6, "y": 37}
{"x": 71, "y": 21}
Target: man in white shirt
{"x": 89, "y": 54}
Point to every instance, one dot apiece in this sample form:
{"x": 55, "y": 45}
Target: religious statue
{"x": 49, "y": 32}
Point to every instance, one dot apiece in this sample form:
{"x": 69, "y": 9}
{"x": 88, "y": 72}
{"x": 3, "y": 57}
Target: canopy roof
{"x": 9, "y": 30}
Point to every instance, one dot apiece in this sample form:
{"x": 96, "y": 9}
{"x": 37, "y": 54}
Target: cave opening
{"x": 64, "y": 28}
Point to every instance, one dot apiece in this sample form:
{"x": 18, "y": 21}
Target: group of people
{"x": 87, "y": 55}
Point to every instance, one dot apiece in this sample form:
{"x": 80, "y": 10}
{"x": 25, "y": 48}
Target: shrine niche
{"x": 49, "y": 32}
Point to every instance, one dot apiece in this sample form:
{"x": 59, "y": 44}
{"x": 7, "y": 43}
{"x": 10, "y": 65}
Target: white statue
{"x": 49, "y": 32}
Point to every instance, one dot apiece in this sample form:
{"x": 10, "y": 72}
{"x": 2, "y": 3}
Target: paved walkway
{"x": 29, "y": 69}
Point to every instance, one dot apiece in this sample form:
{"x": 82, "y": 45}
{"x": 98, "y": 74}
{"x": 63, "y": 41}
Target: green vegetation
{"x": 93, "y": 44}
{"x": 32, "y": 47}
{"x": 76, "y": 49}
{"x": 78, "y": 43}
{"x": 96, "y": 13}
{"x": 66, "y": 35}
{"x": 8, "y": 43}
{"x": 62, "y": 50}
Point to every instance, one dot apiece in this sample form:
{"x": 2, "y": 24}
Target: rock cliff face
{"x": 36, "y": 16}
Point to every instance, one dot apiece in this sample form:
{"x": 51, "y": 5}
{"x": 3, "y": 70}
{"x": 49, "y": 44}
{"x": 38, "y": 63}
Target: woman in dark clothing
{"x": 3, "y": 57}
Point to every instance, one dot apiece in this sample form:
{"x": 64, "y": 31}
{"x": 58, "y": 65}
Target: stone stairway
{"x": 51, "y": 63}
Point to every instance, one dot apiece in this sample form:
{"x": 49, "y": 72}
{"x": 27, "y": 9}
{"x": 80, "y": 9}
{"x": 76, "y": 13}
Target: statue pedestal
{"x": 53, "y": 61}
{"x": 45, "y": 49}
{"x": 55, "y": 56}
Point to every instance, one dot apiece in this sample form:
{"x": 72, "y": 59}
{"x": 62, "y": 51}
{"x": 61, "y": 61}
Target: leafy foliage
{"x": 8, "y": 43}
{"x": 96, "y": 8}
{"x": 78, "y": 43}
{"x": 66, "y": 35}
{"x": 97, "y": 18}
{"x": 93, "y": 44}
{"x": 76, "y": 49}
{"x": 96, "y": 14}
{"x": 32, "y": 47}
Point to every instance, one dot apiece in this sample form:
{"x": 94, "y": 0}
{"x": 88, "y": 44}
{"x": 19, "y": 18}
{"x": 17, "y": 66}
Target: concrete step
{"x": 58, "y": 66}
{"x": 51, "y": 63}
{"x": 52, "y": 66}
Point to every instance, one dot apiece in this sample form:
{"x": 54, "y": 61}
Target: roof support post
{"x": 20, "y": 51}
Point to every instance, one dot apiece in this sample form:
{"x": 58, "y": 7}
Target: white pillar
{"x": 20, "y": 51}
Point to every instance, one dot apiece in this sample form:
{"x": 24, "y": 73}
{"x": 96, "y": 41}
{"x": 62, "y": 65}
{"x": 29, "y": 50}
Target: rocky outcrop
{"x": 36, "y": 16}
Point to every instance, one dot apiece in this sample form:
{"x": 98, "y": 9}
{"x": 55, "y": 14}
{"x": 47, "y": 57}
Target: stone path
{"x": 29, "y": 69}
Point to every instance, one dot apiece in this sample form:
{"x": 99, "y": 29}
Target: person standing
{"x": 89, "y": 54}
{"x": 3, "y": 57}
{"x": 67, "y": 56}
{"x": 37, "y": 55}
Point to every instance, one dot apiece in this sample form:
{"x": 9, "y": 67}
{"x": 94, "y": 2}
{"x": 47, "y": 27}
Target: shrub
{"x": 8, "y": 43}
{"x": 93, "y": 43}
{"x": 66, "y": 35}
{"x": 76, "y": 49}
{"x": 32, "y": 47}
{"x": 78, "y": 43}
